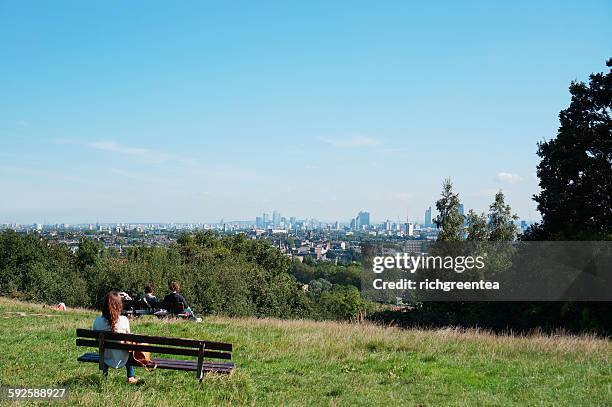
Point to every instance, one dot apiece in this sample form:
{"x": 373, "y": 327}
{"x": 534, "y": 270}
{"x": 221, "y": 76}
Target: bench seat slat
{"x": 153, "y": 349}
{"x": 187, "y": 362}
{"x": 174, "y": 364}
{"x": 192, "y": 366}
{"x": 158, "y": 340}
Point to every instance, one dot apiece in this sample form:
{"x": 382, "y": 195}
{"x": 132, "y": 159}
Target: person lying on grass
{"x": 112, "y": 320}
{"x": 174, "y": 297}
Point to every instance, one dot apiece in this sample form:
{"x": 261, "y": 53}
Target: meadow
{"x": 299, "y": 362}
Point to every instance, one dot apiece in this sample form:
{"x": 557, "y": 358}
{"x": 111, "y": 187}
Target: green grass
{"x": 313, "y": 363}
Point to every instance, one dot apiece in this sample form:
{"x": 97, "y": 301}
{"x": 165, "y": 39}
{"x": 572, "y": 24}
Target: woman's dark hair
{"x": 174, "y": 286}
{"x": 148, "y": 289}
{"x": 111, "y": 310}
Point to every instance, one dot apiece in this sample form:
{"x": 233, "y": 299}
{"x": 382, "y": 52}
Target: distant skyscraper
{"x": 276, "y": 219}
{"x": 362, "y": 219}
{"x": 461, "y": 210}
{"x": 259, "y": 222}
{"x": 428, "y": 217}
{"x": 266, "y": 220}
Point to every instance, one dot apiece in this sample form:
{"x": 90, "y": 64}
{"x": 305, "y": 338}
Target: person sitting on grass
{"x": 111, "y": 320}
{"x": 149, "y": 298}
{"x": 175, "y": 298}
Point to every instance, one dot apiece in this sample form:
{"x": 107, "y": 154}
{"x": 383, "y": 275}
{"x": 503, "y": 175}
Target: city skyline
{"x": 193, "y": 112}
{"x": 425, "y": 220}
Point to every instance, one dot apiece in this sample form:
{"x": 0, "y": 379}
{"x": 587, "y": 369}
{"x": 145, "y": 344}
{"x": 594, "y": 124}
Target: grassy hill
{"x": 315, "y": 363}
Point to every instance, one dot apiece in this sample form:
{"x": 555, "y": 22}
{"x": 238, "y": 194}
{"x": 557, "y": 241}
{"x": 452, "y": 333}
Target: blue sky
{"x": 196, "y": 111}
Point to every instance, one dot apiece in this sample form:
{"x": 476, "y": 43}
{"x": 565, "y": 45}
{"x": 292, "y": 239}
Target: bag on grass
{"x": 142, "y": 358}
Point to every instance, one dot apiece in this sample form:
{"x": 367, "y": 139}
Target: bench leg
{"x": 101, "y": 365}
{"x": 200, "y": 371}
{"x": 104, "y": 371}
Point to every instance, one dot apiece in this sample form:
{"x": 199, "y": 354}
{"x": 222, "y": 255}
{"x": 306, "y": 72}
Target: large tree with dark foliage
{"x": 576, "y": 168}
{"x": 576, "y": 192}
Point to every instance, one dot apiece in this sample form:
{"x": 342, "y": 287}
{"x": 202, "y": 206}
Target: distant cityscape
{"x": 266, "y": 223}
{"x": 298, "y": 238}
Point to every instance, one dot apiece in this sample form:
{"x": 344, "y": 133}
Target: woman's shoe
{"x": 132, "y": 380}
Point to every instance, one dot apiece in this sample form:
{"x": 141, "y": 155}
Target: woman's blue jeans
{"x": 131, "y": 370}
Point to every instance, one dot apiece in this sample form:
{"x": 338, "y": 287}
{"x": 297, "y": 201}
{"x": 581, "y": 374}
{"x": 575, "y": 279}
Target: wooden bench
{"x": 171, "y": 346}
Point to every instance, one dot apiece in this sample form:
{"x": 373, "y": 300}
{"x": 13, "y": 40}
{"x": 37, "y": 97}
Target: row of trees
{"x": 229, "y": 275}
{"x": 497, "y": 226}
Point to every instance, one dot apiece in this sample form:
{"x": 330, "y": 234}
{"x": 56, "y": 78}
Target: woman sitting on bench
{"x": 112, "y": 320}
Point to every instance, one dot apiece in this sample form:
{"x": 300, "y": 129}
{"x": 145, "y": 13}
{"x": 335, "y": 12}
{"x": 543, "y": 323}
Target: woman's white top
{"x": 115, "y": 358}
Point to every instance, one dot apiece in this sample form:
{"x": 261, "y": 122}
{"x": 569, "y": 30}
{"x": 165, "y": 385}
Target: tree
{"x": 318, "y": 286}
{"x": 449, "y": 219}
{"x": 477, "y": 226}
{"x": 501, "y": 225}
{"x": 88, "y": 254}
{"x": 575, "y": 201}
{"x": 576, "y": 167}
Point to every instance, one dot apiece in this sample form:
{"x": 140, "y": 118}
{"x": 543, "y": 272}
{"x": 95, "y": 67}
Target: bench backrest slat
{"x": 153, "y": 348}
{"x": 158, "y": 340}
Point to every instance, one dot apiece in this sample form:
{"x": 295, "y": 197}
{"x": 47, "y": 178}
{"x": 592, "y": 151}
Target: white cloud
{"x": 352, "y": 142}
{"x": 121, "y": 149}
{"x": 114, "y": 147}
{"x": 508, "y": 178}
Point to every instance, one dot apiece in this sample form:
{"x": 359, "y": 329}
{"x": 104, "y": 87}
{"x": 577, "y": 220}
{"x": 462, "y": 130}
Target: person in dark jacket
{"x": 149, "y": 298}
{"x": 175, "y": 298}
